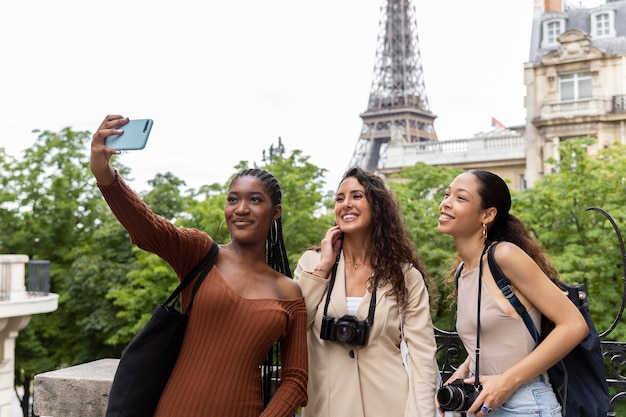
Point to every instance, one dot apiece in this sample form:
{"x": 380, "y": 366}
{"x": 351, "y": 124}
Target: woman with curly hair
{"x": 363, "y": 286}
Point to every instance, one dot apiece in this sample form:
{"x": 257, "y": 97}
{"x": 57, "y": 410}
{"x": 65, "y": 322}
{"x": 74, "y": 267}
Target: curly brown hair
{"x": 392, "y": 247}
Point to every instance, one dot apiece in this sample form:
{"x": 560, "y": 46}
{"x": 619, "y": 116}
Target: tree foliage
{"x": 420, "y": 190}
{"x": 51, "y": 209}
{"x": 582, "y": 243}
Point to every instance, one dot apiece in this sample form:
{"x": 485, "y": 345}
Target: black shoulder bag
{"x": 148, "y": 360}
{"x": 578, "y": 380}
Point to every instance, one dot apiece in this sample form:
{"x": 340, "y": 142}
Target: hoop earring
{"x": 484, "y": 231}
{"x": 219, "y": 228}
{"x": 274, "y": 236}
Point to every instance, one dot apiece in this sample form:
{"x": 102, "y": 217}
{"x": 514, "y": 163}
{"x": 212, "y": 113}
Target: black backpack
{"x": 578, "y": 380}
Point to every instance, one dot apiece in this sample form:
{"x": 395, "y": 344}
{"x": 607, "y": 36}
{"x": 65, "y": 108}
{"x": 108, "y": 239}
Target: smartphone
{"x": 135, "y": 135}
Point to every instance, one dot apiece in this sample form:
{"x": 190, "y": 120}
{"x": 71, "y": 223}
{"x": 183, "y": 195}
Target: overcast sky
{"x": 224, "y": 79}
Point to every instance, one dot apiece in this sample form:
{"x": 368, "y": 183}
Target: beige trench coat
{"x": 370, "y": 380}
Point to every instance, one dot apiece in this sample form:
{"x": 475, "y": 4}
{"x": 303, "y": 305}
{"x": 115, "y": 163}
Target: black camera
{"x": 457, "y": 395}
{"x": 345, "y": 330}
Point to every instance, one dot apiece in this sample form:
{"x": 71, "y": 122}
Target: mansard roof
{"x": 579, "y": 19}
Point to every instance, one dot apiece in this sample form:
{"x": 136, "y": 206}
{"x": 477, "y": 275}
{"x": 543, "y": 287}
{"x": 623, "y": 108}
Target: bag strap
{"x": 505, "y": 286}
{"x": 205, "y": 264}
{"x": 457, "y": 275}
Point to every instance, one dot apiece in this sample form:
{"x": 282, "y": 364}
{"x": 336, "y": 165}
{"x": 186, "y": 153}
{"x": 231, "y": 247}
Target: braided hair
{"x": 276, "y": 257}
{"x": 275, "y": 252}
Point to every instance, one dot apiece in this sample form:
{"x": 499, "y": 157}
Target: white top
{"x": 353, "y": 304}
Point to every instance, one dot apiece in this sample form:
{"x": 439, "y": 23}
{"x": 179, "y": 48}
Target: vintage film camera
{"x": 457, "y": 395}
{"x": 345, "y": 330}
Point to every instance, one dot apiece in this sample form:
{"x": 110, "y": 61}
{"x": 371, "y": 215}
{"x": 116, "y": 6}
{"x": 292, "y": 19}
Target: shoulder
{"x": 504, "y": 251}
{"x": 294, "y": 307}
{"x": 309, "y": 257}
{"x": 413, "y": 279}
{"x": 288, "y": 288}
{"x": 411, "y": 275}
{"x": 514, "y": 262}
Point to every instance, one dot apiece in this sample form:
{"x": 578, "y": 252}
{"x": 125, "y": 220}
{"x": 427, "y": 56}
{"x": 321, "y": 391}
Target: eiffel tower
{"x": 397, "y": 110}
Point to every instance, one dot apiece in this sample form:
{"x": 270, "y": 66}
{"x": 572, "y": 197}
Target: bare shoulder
{"x": 516, "y": 264}
{"x": 287, "y": 287}
{"x": 506, "y": 252}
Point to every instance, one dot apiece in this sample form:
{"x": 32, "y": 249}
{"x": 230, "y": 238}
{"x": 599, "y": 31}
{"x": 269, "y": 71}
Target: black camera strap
{"x": 331, "y": 284}
{"x": 480, "y": 286}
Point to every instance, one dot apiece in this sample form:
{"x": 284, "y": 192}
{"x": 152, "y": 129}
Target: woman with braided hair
{"x": 247, "y": 304}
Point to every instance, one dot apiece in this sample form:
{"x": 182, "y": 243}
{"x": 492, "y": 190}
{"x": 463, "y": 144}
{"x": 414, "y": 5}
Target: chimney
{"x": 552, "y": 6}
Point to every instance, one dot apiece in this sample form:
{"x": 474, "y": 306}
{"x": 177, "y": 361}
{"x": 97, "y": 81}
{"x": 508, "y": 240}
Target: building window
{"x": 602, "y": 24}
{"x": 552, "y": 29}
{"x": 575, "y": 86}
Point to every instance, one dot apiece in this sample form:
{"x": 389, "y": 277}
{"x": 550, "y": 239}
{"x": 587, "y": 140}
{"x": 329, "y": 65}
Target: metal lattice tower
{"x": 397, "y": 111}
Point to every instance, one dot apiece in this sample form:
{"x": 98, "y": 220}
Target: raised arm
{"x": 100, "y": 153}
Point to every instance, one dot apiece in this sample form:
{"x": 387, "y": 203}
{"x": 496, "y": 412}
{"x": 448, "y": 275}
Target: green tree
{"x": 305, "y": 217}
{"x": 9, "y": 213}
{"x": 582, "y": 243}
{"x": 147, "y": 279}
{"x": 419, "y": 190}
{"x": 50, "y": 209}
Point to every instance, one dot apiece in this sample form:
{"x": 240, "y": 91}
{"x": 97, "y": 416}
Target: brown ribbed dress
{"x": 218, "y": 369}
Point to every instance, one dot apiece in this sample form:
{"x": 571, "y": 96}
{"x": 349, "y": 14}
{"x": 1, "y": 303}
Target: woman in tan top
{"x": 475, "y": 212}
{"x": 245, "y": 305}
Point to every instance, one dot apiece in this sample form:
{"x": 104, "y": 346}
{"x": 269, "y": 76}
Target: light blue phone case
{"x": 135, "y": 135}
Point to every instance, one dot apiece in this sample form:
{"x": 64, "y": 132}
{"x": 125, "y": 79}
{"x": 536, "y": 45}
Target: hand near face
{"x": 330, "y": 247}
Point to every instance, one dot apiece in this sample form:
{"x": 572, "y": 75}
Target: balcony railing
{"x": 593, "y": 106}
{"x": 37, "y": 280}
{"x": 5, "y": 281}
{"x": 493, "y": 146}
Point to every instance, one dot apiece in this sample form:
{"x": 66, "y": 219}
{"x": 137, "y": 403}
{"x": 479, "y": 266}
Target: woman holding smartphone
{"x": 246, "y": 304}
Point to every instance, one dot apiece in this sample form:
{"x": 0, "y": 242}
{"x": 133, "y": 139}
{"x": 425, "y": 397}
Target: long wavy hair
{"x": 392, "y": 247}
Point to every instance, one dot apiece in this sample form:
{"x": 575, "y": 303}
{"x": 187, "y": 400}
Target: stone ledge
{"x": 77, "y": 391}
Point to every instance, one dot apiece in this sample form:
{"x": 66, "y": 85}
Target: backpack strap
{"x": 505, "y": 286}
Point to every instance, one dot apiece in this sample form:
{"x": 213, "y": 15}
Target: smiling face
{"x": 460, "y": 212}
{"x": 352, "y": 210}
{"x": 249, "y": 210}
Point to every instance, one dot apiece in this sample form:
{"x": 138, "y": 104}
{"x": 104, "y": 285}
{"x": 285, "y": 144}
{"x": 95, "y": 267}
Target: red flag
{"x": 497, "y": 124}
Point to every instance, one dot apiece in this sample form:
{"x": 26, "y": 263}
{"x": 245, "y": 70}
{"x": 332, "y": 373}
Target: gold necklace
{"x": 354, "y": 264}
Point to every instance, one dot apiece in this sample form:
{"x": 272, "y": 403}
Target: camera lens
{"x": 450, "y": 398}
{"x": 344, "y": 332}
